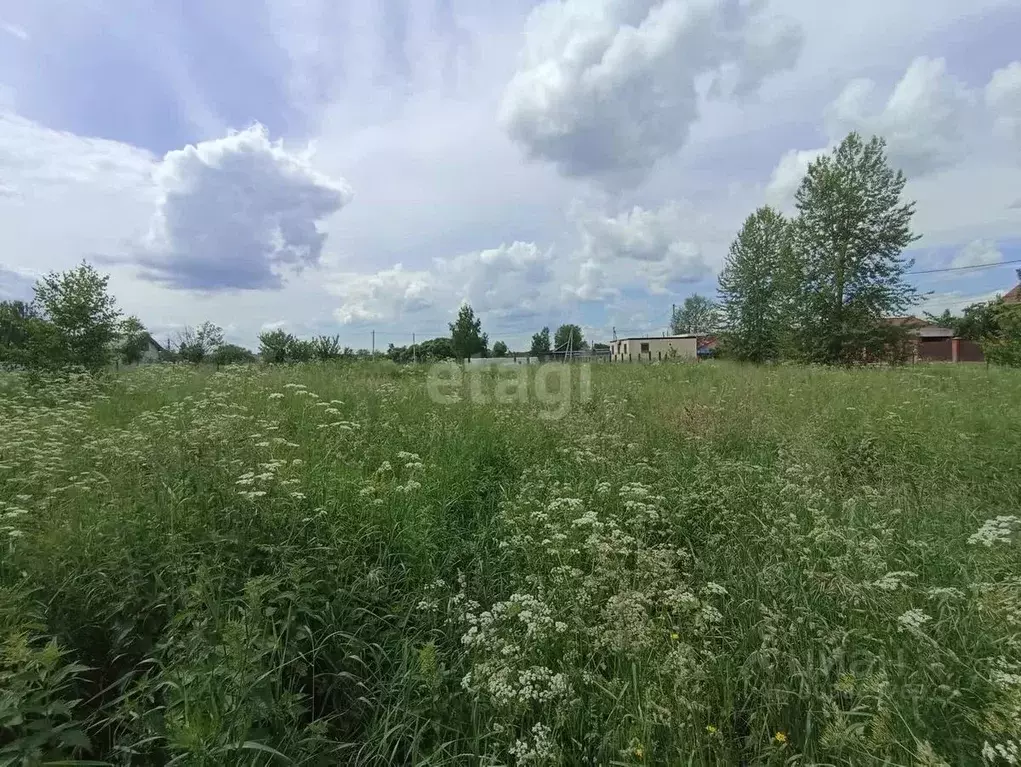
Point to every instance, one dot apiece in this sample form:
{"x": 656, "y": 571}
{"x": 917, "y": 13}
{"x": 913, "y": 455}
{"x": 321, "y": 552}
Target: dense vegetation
{"x": 700, "y": 564}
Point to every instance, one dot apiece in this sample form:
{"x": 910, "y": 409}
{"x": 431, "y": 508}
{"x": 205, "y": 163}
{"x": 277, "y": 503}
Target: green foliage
{"x": 1002, "y": 344}
{"x": 323, "y": 565}
{"x": 134, "y": 340}
{"x": 851, "y": 228}
{"x": 83, "y": 314}
{"x": 198, "y": 344}
{"x": 540, "y": 343}
{"x": 568, "y": 336}
{"x": 275, "y": 346}
{"x": 433, "y": 350}
{"x": 302, "y": 350}
{"x": 697, "y": 314}
{"x": 232, "y": 354}
{"x": 756, "y": 288}
{"x": 37, "y": 685}
{"x": 19, "y": 325}
{"x": 326, "y": 348}
{"x": 978, "y": 321}
{"x": 466, "y": 336}
{"x": 499, "y": 349}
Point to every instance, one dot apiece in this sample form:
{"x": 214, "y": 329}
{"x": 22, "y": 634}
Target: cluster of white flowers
{"x": 945, "y": 593}
{"x": 894, "y": 580}
{"x": 913, "y": 620}
{"x": 412, "y": 461}
{"x": 1008, "y": 752}
{"x": 996, "y": 530}
{"x": 537, "y": 748}
{"x": 9, "y": 516}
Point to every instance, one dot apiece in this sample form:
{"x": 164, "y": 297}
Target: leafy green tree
{"x": 301, "y": 350}
{"x": 327, "y": 348}
{"x": 851, "y": 228}
{"x": 466, "y": 336}
{"x": 435, "y": 349}
{"x": 755, "y": 287}
{"x": 16, "y": 330}
{"x": 27, "y": 340}
{"x": 1002, "y": 343}
{"x": 540, "y": 343}
{"x": 275, "y": 346}
{"x": 196, "y": 345}
{"x": 979, "y": 321}
{"x": 134, "y": 340}
{"x": 232, "y": 354}
{"x": 568, "y": 336}
{"x": 499, "y": 349}
{"x": 83, "y": 313}
{"x": 697, "y": 314}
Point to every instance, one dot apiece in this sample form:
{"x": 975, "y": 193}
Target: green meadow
{"x": 697, "y": 564}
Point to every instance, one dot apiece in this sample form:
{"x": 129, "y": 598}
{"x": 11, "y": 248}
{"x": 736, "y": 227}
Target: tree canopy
{"x": 540, "y": 343}
{"x": 755, "y": 287}
{"x": 851, "y": 228}
{"x": 697, "y": 314}
{"x": 568, "y": 338}
{"x": 466, "y": 336}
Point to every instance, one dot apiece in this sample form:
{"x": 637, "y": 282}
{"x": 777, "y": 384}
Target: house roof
{"x": 1013, "y": 296}
{"x": 934, "y": 331}
{"x": 657, "y": 338}
{"x": 154, "y": 342}
{"x": 910, "y": 321}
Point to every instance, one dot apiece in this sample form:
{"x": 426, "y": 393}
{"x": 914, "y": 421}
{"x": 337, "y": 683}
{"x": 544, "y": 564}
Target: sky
{"x": 366, "y": 166}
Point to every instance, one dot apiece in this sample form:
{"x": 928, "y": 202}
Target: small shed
{"x": 654, "y": 348}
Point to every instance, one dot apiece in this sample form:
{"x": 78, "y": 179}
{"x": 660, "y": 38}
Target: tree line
{"x": 73, "y": 321}
{"x": 817, "y": 287}
{"x": 821, "y": 286}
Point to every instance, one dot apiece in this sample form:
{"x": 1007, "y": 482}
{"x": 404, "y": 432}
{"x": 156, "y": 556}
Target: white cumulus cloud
{"x": 976, "y": 253}
{"x": 508, "y": 281}
{"x": 605, "y": 89}
{"x": 924, "y": 120}
{"x": 787, "y": 175}
{"x": 237, "y": 212}
{"x": 929, "y": 121}
{"x": 1003, "y": 96}
{"x": 640, "y": 248}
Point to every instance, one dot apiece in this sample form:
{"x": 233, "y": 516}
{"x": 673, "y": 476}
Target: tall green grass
{"x": 700, "y": 564}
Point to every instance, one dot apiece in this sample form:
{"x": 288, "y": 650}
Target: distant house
{"x": 1013, "y": 296}
{"x": 653, "y": 348}
{"x": 933, "y": 343}
{"x": 150, "y": 352}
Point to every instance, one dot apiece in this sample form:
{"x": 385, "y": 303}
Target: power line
{"x": 962, "y": 268}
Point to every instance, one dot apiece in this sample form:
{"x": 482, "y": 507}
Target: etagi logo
{"x": 554, "y": 385}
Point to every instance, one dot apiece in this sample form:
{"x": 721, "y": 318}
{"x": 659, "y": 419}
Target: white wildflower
{"x": 913, "y": 620}
{"x": 997, "y": 530}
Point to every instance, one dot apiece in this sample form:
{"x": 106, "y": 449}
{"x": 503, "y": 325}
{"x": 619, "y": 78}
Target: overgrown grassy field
{"x": 700, "y": 564}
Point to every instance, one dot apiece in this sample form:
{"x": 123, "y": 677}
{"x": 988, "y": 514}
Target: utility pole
{"x": 373, "y": 343}
{"x": 414, "y": 350}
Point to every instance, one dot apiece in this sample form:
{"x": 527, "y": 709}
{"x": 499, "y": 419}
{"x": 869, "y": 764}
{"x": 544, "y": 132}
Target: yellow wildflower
{"x": 675, "y": 636}
{"x": 710, "y": 729}
{"x": 639, "y": 752}
{"x": 780, "y": 737}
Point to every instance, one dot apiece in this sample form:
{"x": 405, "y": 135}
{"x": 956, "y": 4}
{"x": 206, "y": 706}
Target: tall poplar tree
{"x": 851, "y": 228}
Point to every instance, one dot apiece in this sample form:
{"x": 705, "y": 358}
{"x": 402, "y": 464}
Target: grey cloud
{"x": 236, "y": 213}
{"x": 924, "y": 120}
{"x": 606, "y": 89}
{"x": 15, "y": 286}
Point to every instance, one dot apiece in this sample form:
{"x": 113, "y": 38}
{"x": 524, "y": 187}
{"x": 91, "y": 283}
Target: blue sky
{"x": 343, "y": 167}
